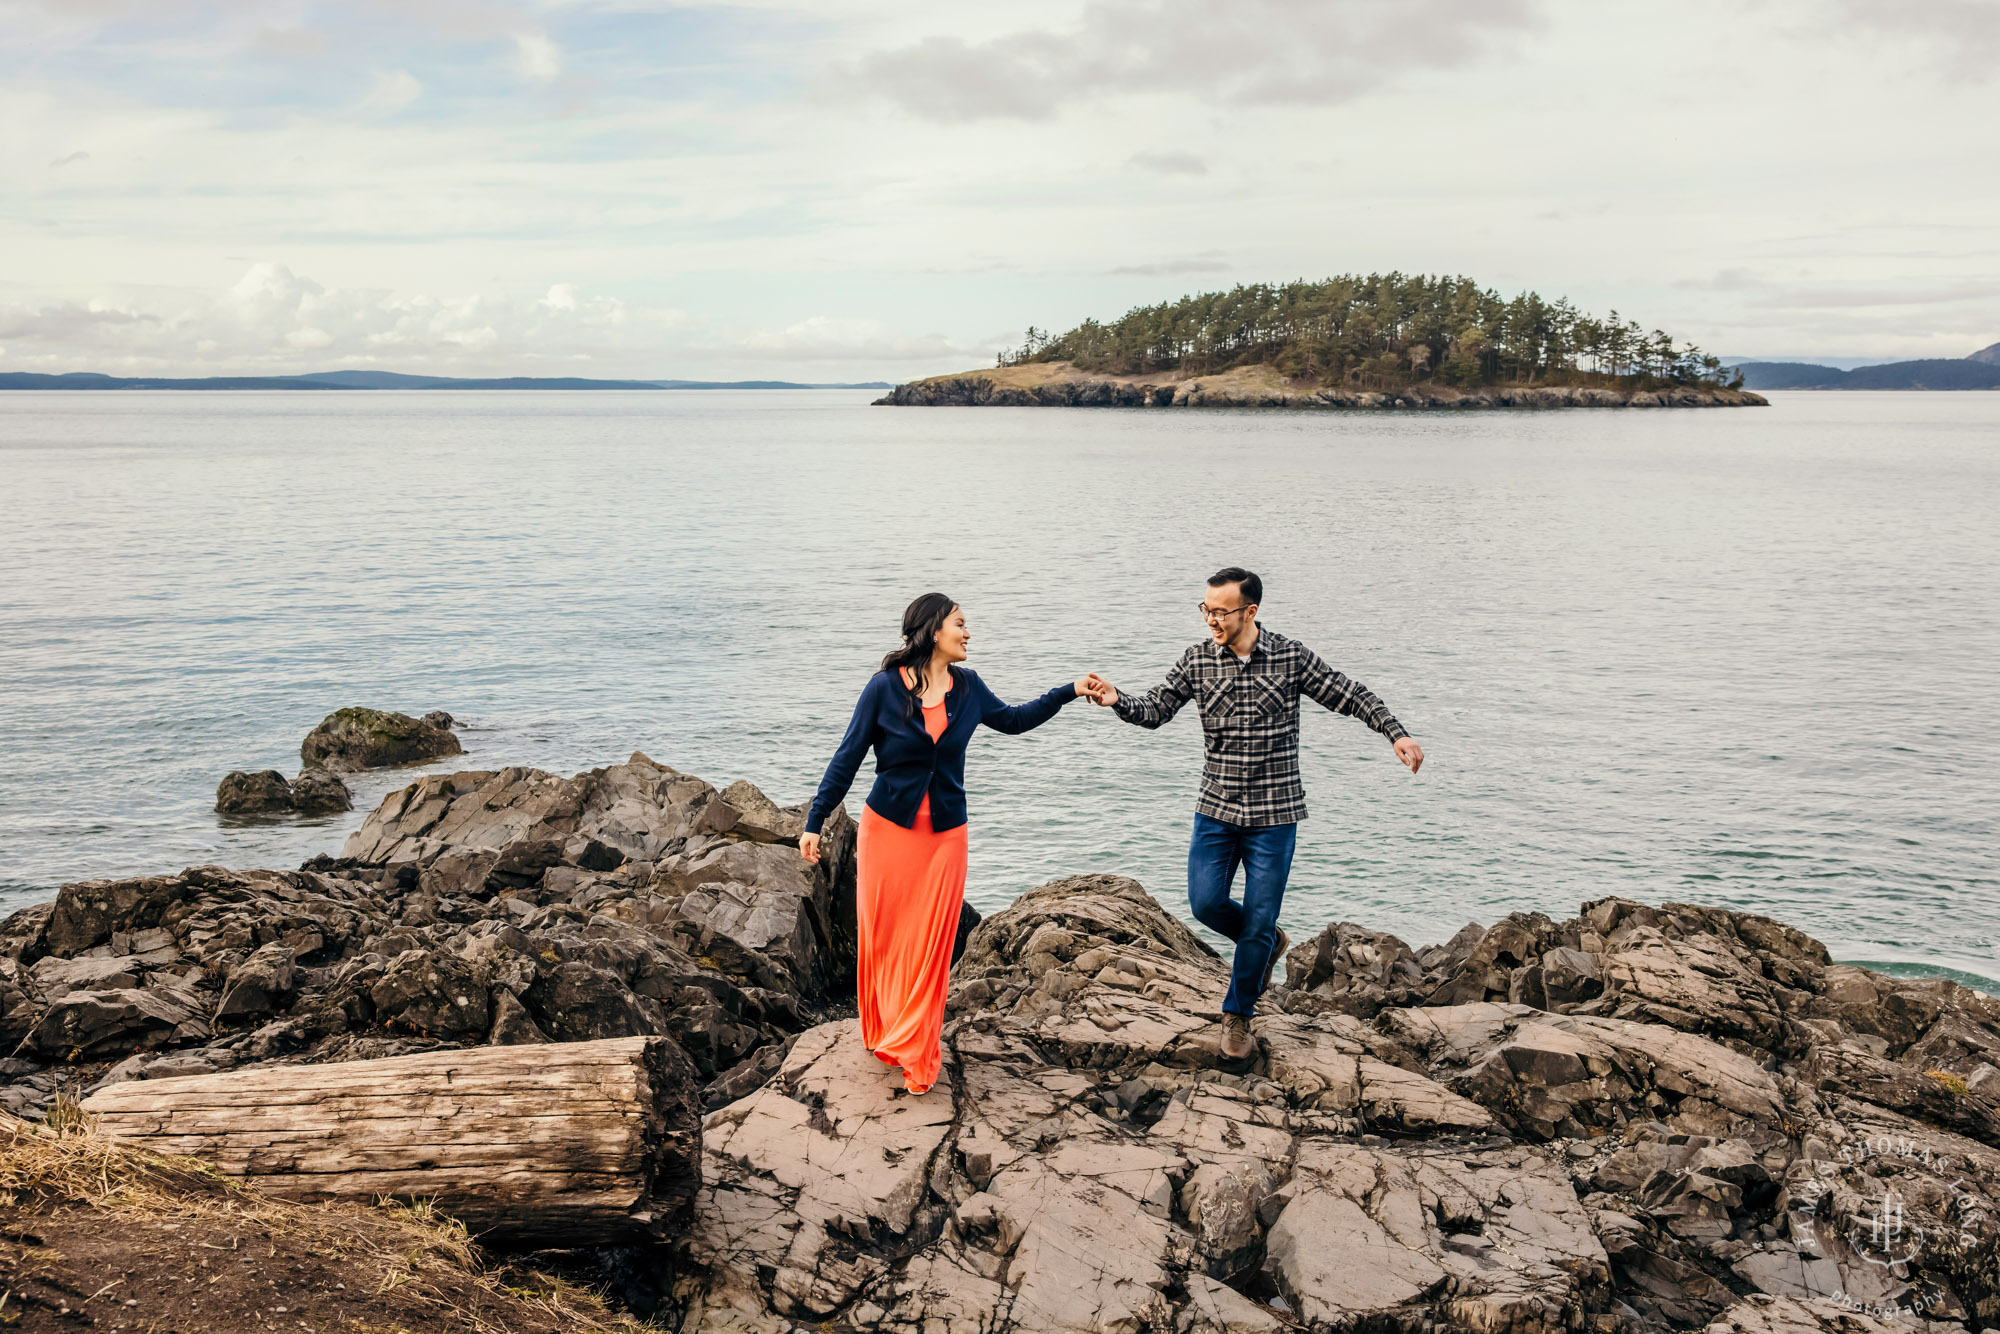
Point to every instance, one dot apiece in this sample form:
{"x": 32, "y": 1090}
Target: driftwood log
{"x": 564, "y": 1144}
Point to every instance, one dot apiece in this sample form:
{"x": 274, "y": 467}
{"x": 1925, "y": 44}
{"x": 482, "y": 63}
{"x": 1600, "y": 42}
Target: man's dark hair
{"x": 1253, "y": 587}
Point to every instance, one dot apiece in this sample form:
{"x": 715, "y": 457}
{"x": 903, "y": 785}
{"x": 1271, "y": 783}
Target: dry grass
{"x": 66, "y": 1162}
{"x": 405, "y": 1250}
{"x": 1951, "y": 1083}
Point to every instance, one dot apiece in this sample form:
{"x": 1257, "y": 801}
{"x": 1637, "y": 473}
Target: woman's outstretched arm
{"x": 846, "y": 761}
{"x": 1014, "y": 719}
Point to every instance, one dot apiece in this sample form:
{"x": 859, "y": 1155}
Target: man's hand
{"x": 1410, "y": 753}
{"x": 1098, "y": 689}
{"x": 809, "y": 847}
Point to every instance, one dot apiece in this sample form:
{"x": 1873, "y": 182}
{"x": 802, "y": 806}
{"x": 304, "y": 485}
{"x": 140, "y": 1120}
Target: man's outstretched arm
{"x": 1154, "y": 707}
{"x": 1343, "y": 694}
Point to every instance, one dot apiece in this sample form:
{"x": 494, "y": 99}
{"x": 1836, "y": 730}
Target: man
{"x": 1248, "y": 680}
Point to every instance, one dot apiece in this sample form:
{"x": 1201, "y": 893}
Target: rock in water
{"x": 314, "y": 792}
{"x": 318, "y": 791}
{"x": 1386, "y": 1165}
{"x": 349, "y": 740}
{"x": 262, "y": 793}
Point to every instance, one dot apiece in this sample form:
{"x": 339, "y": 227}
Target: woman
{"x": 917, "y": 713}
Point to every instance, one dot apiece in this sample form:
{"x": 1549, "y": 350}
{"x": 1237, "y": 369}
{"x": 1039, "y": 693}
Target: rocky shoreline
{"x": 1058, "y": 384}
{"x": 1642, "y": 1118}
{"x": 501, "y": 906}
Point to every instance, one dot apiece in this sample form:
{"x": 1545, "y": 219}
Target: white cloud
{"x": 392, "y": 91}
{"x": 272, "y": 320}
{"x": 538, "y": 57}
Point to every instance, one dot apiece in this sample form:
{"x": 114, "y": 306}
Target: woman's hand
{"x": 1095, "y": 687}
{"x": 809, "y": 847}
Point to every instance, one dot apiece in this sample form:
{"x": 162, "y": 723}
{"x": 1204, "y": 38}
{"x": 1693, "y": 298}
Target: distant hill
{"x": 336, "y": 380}
{"x": 1789, "y": 375}
{"x": 91, "y": 380}
{"x": 1975, "y": 372}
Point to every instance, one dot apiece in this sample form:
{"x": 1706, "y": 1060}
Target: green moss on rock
{"x": 356, "y": 738}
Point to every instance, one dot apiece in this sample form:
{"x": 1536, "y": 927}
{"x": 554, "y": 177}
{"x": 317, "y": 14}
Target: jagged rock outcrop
{"x": 1058, "y": 384}
{"x": 268, "y": 792}
{"x": 353, "y": 739}
{"x": 1638, "y": 1119}
{"x": 1405, "y": 1153}
{"x": 482, "y": 907}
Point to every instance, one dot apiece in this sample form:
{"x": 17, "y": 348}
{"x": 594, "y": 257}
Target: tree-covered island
{"x": 1384, "y": 340}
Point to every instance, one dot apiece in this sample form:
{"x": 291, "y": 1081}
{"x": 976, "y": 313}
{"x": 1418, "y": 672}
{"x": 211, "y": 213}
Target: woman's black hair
{"x": 922, "y": 620}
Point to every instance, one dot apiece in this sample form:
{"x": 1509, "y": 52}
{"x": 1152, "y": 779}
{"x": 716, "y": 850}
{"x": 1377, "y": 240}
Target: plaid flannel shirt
{"x": 1250, "y": 722}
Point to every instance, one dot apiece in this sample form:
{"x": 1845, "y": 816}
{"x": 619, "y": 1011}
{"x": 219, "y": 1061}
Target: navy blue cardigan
{"x": 908, "y": 763}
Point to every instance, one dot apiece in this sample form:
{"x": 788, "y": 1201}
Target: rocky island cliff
{"x": 1640, "y": 1118}
{"x": 1061, "y": 384}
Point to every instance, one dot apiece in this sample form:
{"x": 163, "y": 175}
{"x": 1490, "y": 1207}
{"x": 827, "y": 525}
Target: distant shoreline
{"x": 1060, "y": 384}
{"x": 1979, "y": 371}
{"x": 377, "y": 380}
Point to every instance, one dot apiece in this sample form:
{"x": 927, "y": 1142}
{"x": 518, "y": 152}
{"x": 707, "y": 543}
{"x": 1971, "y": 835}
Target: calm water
{"x": 1736, "y": 657}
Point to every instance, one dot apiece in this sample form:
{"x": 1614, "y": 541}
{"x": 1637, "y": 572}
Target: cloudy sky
{"x": 878, "y": 189}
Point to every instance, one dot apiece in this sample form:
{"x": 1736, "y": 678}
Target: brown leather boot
{"x": 1237, "y": 1044}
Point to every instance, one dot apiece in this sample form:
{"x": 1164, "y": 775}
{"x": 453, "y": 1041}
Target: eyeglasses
{"x": 1216, "y": 615}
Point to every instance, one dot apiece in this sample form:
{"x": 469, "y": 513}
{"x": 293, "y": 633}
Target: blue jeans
{"x": 1265, "y": 853}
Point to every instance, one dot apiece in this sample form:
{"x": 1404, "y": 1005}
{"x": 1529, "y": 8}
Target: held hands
{"x": 809, "y": 847}
{"x": 1410, "y": 753}
{"x": 1097, "y": 688}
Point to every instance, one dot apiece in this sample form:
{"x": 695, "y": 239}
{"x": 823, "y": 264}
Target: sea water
{"x": 1743, "y": 657}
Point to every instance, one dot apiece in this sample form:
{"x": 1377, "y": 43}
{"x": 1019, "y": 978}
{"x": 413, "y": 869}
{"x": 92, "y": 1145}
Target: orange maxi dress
{"x": 906, "y": 904}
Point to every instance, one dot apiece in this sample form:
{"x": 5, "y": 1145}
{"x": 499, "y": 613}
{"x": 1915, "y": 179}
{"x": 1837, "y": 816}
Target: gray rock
{"x": 87, "y": 912}
{"x": 1569, "y": 976}
{"x": 1220, "y": 1202}
{"x": 1788, "y": 1273}
{"x": 762, "y": 819}
{"x": 55, "y": 976}
{"x": 261, "y": 983}
{"x": 95, "y": 1024}
{"x": 1984, "y": 1082}
{"x": 319, "y": 791}
{"x": 512, "y": 1024}
{"x": 1090, "y": 1168}
{"x": 24, "y": 934}
{"x": 433, "y": 995}
{"x": 262, "y": 793}
{"x": 352, "y": 739}
{"x": 1348, "y": 969}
